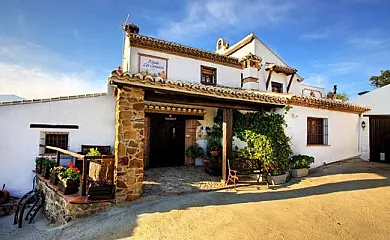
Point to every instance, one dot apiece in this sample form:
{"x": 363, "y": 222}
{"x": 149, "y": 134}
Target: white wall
{"x": 364, "y": 135}
{"x": 378, "y": 100}
{"x": 19, "y": 144}
{"x": 343, "y": 134}
{"x": 242, "y": 52}
{"x": 318, "y": 92}
{"x": 188, "y": 69}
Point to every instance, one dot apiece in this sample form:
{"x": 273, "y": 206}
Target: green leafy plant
{"x": 39, "y": 160}
{"x": 214, "y": 138}
{"x": 301, "y": 161}
{"x": 93, "y": 152}
{"x": 190, "y": 152}
{"x": 48, "y": 163}
{"x": 71, "y": 173}
{"x": 199, "y": 152}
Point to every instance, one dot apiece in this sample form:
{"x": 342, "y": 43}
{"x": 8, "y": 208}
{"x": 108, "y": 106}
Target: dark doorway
{"x": 380, "y": 138}
{"x": 167, "y": 140}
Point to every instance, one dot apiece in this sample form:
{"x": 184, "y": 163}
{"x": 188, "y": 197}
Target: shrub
{"x": 190, "y": 151}
{"x": 71, "y": 173}
{"x": 199, "y": 152}
{"x": 301, "y": 161}
{"x": 93, "y": 152}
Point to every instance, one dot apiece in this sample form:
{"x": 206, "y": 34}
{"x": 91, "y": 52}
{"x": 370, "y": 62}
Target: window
{"x": 317, "y": 131}
{"x": 277, "y": 87}
{"x": 56, "y": 140}
{"x": 208, "y": 75}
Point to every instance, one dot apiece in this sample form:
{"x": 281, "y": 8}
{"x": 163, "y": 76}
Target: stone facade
{"x": 191, "y": 126}
{"x": 59, "y": 210}
{"x": 129, "y": 129}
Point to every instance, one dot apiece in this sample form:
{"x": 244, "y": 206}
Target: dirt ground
{"x": 349, "y": 200}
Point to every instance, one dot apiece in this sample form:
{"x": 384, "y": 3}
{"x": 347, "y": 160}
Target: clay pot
{"x": 214, "y": 153}
{"x": 4, "y": 195}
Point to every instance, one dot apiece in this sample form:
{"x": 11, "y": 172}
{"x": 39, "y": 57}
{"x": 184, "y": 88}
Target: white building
{"x": 182, "y": 87}
{"x": 375, "y": 138}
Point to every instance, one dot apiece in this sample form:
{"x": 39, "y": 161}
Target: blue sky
{"x": 50, "y": 48}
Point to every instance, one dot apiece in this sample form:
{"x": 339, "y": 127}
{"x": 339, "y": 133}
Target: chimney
{"x": 131, "y": 28}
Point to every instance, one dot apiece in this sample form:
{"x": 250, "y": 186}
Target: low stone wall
{"x": 60, "y": 209}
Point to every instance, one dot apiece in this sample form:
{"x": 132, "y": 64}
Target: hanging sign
{"x": 153, "y": 66}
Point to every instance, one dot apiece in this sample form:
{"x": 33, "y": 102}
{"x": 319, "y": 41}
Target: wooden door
{"x": 167, "y": 141}
{"x": 380, "y": 138}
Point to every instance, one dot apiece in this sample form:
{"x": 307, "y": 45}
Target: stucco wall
{"x": 343, "y": 134}
{"x": 377, "y": 100}
{"x": 242, "y": 52}
{"x": 19, "y": 144}
{"x": 188, "y": 69}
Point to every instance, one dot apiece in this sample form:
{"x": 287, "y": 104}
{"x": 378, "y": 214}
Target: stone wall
{"x": 191, "y": 126}
{"x": 129, "y": 129}
{"x": 59, "y": 210}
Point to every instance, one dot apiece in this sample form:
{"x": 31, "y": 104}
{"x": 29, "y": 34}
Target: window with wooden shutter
{"x": 317, "y": 131}
{"x": 208, "y": 76}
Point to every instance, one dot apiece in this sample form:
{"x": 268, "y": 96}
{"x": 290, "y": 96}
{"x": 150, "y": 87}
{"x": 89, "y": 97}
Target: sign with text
{"x": 153, "y": 66}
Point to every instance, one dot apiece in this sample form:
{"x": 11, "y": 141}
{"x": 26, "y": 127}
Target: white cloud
{"x": 315, "y": 35}
{"x": 39, "y": 83}
{"x": 205, "y": 16}
{"x": 32, "y": 71}
{"x": 316, "y": 80}
{"x": 368, "y": 43}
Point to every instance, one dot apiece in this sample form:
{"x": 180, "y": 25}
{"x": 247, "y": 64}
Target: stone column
{"x": 129, "y": 132}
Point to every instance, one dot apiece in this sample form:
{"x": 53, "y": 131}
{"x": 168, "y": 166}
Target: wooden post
{"x": 227, "y": 140}
{"x": 268, "y": 79}
{"x": 58, "y": 158}
{"x": 289, "y": 83}
{"x": 84, "y": 177}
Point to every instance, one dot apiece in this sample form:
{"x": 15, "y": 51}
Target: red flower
{"x": 75, "y": 169}
{"x": 71, "y": 165}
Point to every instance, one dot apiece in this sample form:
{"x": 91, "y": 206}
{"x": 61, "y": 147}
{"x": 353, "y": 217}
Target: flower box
{"x": 38, "y": 169}
{"x": 46, "y": 172}
{"x": 69, "y": 186}
{"x": 101, "y": 192}
{"x": 54, "y": 177}
{"x": 276, "y": 180}
{"x": 300, "y": 172}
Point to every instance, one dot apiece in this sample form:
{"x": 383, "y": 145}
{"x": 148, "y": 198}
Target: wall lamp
{"x": 363, "y": 125}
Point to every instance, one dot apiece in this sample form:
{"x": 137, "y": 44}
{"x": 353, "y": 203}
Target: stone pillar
{"x": 129, "y": 132}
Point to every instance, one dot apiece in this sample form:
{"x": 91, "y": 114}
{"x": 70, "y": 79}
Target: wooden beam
{"x": 58, "y": 158}
{"x": 268, "y": 79}
{"x": 206, "y": 102}
{"x": 76, "y": 155}
{"x": 84, "y": 177}
{"x": 289, "y": 83}
{"x": 227, "y": 140}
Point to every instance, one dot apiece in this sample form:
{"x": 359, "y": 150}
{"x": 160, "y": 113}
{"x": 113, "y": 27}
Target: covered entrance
{"x": 167, "y": 140}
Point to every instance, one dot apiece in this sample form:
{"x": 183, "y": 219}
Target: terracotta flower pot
{"x": 214, "y": 153}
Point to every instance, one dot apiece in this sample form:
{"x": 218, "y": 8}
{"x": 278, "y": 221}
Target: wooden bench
{"x": 241, "y": 166}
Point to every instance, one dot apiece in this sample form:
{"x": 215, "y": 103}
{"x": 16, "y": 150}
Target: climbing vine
{"x": 265, "y": 137}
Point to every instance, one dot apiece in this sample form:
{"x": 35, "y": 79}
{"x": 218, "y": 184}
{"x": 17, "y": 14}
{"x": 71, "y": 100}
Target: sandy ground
{"x": 342, "y": 201}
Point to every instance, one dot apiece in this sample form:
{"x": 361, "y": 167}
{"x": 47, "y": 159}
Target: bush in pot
{"x": 38, "y": 165}
{"x": 69, "y": 179}
{"x": 300, "y": 165}
{"x": 47, "y": 164}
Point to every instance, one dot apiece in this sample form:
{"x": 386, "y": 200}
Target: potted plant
{"x": 38, "y": 165}
{"x": 199, "y": 154}
{"x": 300, "y": 165}
{"x": 277, "y": 174}
{"x": 54, "y": 174}
{"x": 94, "y": 152}
{"x": 190, "y": 152}
{"x": 47, "y": 164}
{"x": 100, "y": 189}
{"x": 69, "y": 179}
{"x": 214, "y": 136}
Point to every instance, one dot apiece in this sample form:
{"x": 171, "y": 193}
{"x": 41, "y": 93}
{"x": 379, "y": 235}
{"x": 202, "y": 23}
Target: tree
{"x": 381, "y": 80}
{"x": 342, "y": 96}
